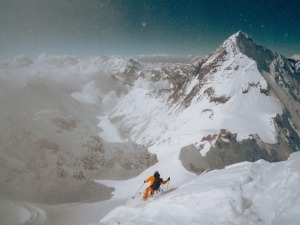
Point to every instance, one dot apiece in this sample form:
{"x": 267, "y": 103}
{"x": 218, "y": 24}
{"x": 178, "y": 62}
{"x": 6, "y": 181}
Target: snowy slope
{"x": 225, "y": 91}
{"x": 244, "y": 193}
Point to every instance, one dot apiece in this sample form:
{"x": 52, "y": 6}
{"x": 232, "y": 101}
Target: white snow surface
{"x": 244, "y": 193}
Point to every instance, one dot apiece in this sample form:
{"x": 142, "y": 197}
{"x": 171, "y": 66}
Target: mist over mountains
{"x": 50, "y": 142}
{"x": 69, "y": 120}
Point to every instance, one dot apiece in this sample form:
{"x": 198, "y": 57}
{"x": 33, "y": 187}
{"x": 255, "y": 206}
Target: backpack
{"x": 156, "y": 184}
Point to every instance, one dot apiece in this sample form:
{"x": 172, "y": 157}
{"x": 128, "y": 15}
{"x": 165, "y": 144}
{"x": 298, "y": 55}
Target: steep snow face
{"x": 244, "y": 193}
{"x": 224, "y": 91}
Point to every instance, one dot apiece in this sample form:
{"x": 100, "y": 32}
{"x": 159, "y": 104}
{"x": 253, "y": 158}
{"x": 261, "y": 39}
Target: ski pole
{"x": 138, "y": 191}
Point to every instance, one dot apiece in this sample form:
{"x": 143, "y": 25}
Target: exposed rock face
{"x": 226, "y": 151}
{"x": 192, "y": 160}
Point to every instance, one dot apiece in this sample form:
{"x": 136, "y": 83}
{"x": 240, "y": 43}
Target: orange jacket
{"x": 152, "y": 179}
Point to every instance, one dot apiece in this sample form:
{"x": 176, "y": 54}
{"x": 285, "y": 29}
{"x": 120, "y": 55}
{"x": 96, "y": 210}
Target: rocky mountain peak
{"x": 226, "y": 52}
{"x": 231, "y": 42}
{"x": 241, "y": 43}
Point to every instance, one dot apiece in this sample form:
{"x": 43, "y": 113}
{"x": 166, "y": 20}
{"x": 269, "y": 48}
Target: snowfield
{"x": 244, "y": 193}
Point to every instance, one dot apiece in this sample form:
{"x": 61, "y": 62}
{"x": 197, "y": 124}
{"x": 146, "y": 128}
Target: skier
{"x": 154, "y": 185}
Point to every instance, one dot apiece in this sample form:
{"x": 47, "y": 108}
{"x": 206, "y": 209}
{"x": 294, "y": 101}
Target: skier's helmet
{"x": 156, "y": 174}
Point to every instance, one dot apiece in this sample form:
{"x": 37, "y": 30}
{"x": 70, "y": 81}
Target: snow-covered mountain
{"x": 67, "y": 121}
{"x": 242, "y": 100}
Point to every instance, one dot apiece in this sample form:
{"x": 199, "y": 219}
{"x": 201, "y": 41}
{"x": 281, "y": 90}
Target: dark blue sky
{"x": 133, "y": 27}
